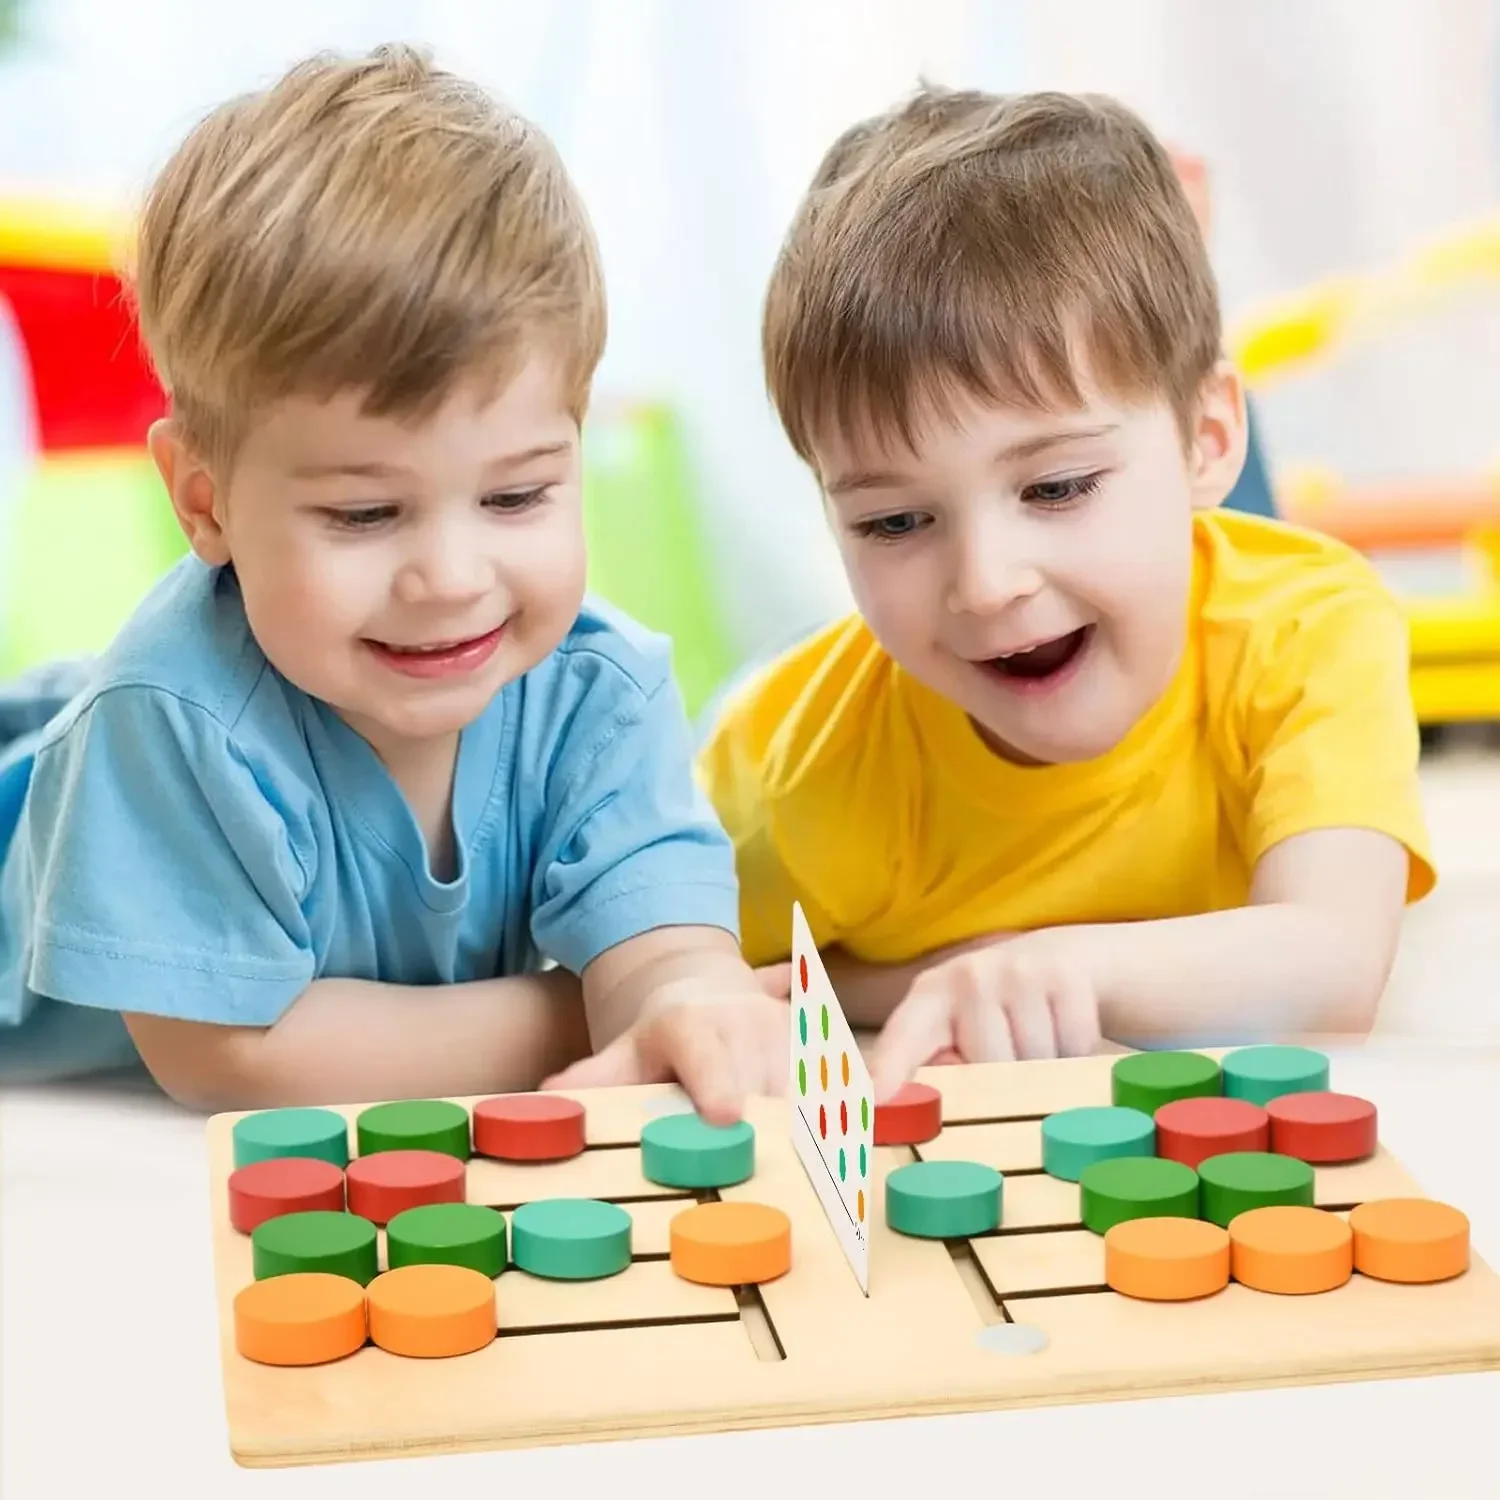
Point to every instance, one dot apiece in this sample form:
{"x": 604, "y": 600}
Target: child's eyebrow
{"x": 376, "y": 470}
{"x": 1030, "y": 447}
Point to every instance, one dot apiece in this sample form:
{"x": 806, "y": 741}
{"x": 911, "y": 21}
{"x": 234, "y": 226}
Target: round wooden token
{"x": 308, "y": 1318}
{"x": 283, "y": 1185}
{"x": 570, "y": 1239}
{"x": 1136, "y": 1187}
{"x": 1409, "y": 1239}
{"x": 685, "y": 1151}
{"x": 432, "y": 1311}
{"x": 1074, "y": 1138}
{"x": 272, "y": 1133}
{"x": 913, "y": 1114}
{"x": 731, "y": 1244}
{"x": 390, "y": 1182}
{"x": 1192, "y": 1130}
{"x": 944, "y": 1200}
{"x": 1323, "y": 1127}
{"x": 340, "y": 1244}
{"x": 1166, "y": 1259}
{"x": 414, "y": 1125}
{"x": 1147, "y": 1080}
{"x": 455, "y": 1234}
{"x": 529, "y": 1127}
{"x": 1261, "y": 1074}
{"x": 1291, "y": 1249}
{"x": 1238, "y": 1181}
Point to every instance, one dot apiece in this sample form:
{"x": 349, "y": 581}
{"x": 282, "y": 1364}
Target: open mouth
{"x": 437, "y": 658}
{"x": 1044, "y": 662}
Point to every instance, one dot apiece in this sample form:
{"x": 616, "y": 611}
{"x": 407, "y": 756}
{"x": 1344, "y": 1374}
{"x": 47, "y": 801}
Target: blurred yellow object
{"x": 62, "y": 234}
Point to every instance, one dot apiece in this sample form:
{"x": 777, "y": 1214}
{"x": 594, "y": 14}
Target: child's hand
{"x": 1009, "y": 1001}
{"x": 720, "y": 1047}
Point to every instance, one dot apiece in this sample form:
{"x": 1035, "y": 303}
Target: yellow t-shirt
{"x": 849, "y": 786}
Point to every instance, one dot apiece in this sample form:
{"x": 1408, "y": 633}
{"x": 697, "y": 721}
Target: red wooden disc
{"x": 389, "y": 1182}
{"x": 283, "y": 1185}
{"x": 528, "y": 1127}
{"x": 1323, "y": 1127}
{"x": 1191, "y": 1130}
{"x": 913, "y": 1114}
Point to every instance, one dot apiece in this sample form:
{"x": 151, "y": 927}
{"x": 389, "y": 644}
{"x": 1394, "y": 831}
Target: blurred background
{"x": 1349, "y": 155}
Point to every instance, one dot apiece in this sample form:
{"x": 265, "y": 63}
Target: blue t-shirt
{"x": 193, "y": 836}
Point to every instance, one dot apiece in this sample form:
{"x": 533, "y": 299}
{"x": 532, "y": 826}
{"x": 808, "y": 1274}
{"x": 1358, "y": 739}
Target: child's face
{"x": 1034, "y": 569}
{"x": 404, "y": 573}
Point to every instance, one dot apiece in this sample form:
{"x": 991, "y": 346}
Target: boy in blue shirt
{"x": 369, "y": 756}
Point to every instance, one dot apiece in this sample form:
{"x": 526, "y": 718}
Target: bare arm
{"x": 352, "y": 1040}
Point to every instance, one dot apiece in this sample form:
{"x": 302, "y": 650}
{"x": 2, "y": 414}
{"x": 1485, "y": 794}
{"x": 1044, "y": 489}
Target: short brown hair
{"x": 970, "y": 242}
{"x": 369, "y": 223}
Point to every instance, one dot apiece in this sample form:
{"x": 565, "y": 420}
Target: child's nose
{"x": 987, "y": 578}
{"x": 448, "y": 569}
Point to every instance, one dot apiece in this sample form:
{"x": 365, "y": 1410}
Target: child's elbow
{"x": 202, "y": 1067}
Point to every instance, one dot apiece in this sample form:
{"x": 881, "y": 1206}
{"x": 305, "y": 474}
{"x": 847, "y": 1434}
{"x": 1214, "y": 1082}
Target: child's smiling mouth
{"x": 1042, "y": 666}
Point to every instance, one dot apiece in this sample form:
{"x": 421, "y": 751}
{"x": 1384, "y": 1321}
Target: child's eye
{"x": 510, "y": 500}
{"x": 891, "y": 528}
{"x": 1058, "y": 492}
{"x": 360, "y": 518}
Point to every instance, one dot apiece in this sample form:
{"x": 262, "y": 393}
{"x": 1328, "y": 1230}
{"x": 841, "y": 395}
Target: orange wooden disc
{"x": 303, "y": 1318}
{"x": 1409, "y": 1239}
{"x": 1166, "y": 1259}
{"x": 1291, "y": 1249}
{"x": 731, "y": 1244}
{"x": 432, "y": 1310}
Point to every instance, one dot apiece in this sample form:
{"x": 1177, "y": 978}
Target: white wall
{"x": 1338, "y": 132}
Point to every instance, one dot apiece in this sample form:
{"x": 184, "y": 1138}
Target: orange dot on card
{"x": 1409, "y": 1239}
{"x": 861, "y": 1205}
{"x": 432, "y": 1310}
{"x": 845, "y": 1058}
{"x": 1291, "y": 1249}
{"x": 1166, "y": 1259}
{"x": 823, "y": 1073}
{"x": 304, "y": 1318}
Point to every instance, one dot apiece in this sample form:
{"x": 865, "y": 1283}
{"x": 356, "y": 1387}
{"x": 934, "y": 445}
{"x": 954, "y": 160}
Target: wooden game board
{"x": 645, "y": 1353}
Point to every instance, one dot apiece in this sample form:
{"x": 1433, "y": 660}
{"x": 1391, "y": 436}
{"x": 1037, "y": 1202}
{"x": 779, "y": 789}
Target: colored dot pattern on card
{"x": 836, "y": 1101}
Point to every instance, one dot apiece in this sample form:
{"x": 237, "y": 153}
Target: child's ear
{"x": 1220, "y": 437}
{"x": 193, "y": 490}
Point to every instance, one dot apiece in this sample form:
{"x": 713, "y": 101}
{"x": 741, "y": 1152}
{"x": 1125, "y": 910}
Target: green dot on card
{"x": 864, "y": 1115}
{"x": 801, "y": 1075}
{"x": 802, "y": 1023}
{"x": 862, "y": 1168}
{"x": 825, "y": 1023}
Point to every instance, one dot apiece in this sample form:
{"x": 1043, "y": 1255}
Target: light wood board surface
{"x": 646, "y": 1353}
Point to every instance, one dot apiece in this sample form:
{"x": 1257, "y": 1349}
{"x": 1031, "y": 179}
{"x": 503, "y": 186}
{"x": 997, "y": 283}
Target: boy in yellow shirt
{"x": 1094, "y": 757}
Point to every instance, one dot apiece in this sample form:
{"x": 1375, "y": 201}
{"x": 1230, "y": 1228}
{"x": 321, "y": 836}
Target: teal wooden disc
{"x": 1238, "y": 1181}
{"x": 342, "y": 1244}
{"x": 570, "y": 1239}
{"x": 944, "y": 1200}
{"x": 1147, "y": 1080}
{"x": 452, "y": 1234}
{"x": 1261, "y": 1074}
{"x": 1073, "y": 1139}
{"x": 1136, "y": 1187}
{"x": 274, "y": 1133}
{"x": 685, "y": 1151}
{"x": 414, "y": 1125}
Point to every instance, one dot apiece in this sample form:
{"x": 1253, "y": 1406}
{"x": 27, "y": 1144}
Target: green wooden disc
{"x": 452, "y": 1234}
{"x": 1241, "y": 1180}
{"x": 1072, "y": 1139}
{"x": 1147, "y": 1080}
{"x": 944, "y": 1200}
{"x": 341, "y": 1244}
{"x": 570, "y": 1239}
{"x": 685, "y": 1151}
{"x": 275, "y": 1133}
{"x": 1136, "y": 1187}
{"x": 414, "y": 1125}
{"x": 1261, "y": 1074}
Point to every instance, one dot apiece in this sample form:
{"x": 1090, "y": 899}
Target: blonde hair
{"x": 373, "y": 224}
{"x": 993, "y": 246}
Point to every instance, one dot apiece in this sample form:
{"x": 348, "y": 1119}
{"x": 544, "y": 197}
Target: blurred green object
{"x": 648, "y": 551}
{"x": 91, "y": 532}
{"x": 88, "y": 536}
